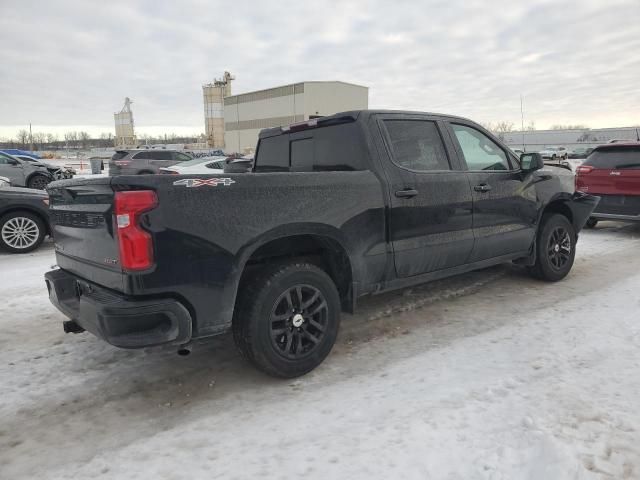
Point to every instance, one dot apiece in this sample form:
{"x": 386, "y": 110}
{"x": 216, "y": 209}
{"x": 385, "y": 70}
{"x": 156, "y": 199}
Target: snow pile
{"x": 505, "y": 379}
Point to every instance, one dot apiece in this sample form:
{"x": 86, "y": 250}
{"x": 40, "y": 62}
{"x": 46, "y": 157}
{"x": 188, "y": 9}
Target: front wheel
{"x": 287, "y": 318}
{"x": 38, "y": 182}
{"x": 21, "y": 232}
{"x": 555, "y": 248}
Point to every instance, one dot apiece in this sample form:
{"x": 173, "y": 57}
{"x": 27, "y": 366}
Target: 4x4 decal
{"x": 199, "y": 182}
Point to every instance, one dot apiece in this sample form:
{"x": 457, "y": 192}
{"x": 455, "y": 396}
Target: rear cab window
{"x": 119, "y": 155}
{"x": 615, "y": 158}
{"x": 323, "y": 149}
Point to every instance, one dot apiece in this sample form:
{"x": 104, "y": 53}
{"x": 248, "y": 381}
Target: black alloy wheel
{"x": 298, "y": 321}
{"x": 287, "y": 317}
{"x": 559, "y": 248}
{"x": 555, "y": 248}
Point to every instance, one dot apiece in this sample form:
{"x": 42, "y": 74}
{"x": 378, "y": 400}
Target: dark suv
{"x": 144, "y": 161}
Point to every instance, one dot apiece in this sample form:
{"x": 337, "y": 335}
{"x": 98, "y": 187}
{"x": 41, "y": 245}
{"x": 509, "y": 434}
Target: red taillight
{"x": 584, "y": 169}
{"x": 136, "y": 245}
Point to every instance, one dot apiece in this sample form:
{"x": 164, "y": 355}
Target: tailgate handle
{"x": 406, "y": 193}
{"x": 483, "y": 187}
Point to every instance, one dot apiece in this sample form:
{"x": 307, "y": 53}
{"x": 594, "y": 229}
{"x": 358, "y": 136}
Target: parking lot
{"x": 486, "y": 375}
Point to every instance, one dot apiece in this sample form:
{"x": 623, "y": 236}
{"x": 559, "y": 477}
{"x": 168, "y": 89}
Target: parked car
{"x": 24, "y": 219}
{"x": 335, "y": 208}
{"x": 517, "y": 151}
{"x": 144, "y": 161}
{"x": 58, "y": 172}
{"x": 239, "y": 164}
{"x": 25, "y": 174}
{"x": 197, "y": 166}
{"x": 612, "y": 171}
{"x": 555, "y": 153}
{"x": 580, "y": 152}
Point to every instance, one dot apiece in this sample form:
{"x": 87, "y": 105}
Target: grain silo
{"x": 213, "y": 95}
{"x": 125, "y": 135}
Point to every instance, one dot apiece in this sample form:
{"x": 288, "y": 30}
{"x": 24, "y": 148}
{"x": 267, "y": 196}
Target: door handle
{"x": 483, "y": 187}
{"x": 406, "y": 193}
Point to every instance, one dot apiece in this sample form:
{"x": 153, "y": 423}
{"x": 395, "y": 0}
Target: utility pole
{"x": 522, "y": 123}
{"x": 30, "y": 139}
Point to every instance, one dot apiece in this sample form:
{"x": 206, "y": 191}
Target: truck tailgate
{"x": 83, "y": 228}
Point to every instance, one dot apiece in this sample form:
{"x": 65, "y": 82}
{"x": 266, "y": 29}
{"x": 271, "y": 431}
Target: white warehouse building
{"x": 248, "y": 113}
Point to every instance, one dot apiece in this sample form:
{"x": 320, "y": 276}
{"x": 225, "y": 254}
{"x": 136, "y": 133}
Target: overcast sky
{"x": 69, "y": 64}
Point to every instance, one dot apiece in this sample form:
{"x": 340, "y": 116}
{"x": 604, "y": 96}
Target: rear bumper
{"x": 122, "y": 321}
{"x": 618, "y": 207}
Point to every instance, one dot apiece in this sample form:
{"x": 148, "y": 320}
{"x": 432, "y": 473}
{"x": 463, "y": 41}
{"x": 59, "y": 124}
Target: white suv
{"x": 555, "y": 153}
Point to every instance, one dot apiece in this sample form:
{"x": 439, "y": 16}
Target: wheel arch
{"x": 322, "y": 246}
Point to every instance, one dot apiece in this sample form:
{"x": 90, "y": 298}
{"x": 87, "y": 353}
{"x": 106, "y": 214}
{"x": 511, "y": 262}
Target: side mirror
{"x": 530, "y": 162}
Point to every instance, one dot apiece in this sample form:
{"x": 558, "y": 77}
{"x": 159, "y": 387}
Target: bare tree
{"x": 23, "y": 137}
{"x": 503, "y": 127}
{"x": 51, "y": 138}
{"x": 531, "y": 127}
{"x": 83, "y": 138}
{"x": 39, "y": 138}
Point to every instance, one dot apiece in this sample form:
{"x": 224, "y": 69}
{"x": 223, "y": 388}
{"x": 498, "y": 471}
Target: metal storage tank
{"x": 213, "y": 95}
{"x": 123, "y": 119}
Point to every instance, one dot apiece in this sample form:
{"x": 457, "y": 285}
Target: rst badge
{"x": 200, "y": 182}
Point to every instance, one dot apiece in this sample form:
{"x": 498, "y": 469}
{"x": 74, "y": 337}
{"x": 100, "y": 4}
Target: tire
{"x": 287, "y": 336}
{"x": 38, "y": 182}
{"x": 21, "y": 232}
{"x": 555, "y": 248}
{"x": 591, "y": 223}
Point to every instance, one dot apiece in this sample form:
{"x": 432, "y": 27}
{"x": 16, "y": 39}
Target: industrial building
{"x": 123, "y": 119}
{"x": 213, "y": 95}
{"x": 248, "y": 113}
{"x": 535, "y": 140}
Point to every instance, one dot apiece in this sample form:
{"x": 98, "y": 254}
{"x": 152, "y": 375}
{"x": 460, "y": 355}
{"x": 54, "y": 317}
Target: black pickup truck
{"x": 335, "y": 208}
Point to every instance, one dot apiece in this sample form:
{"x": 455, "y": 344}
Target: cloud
{"x": 72, "y": 62}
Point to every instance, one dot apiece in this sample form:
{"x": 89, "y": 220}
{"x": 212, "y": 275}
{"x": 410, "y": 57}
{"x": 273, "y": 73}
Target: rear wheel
{"x": 38, "y": 182}
{"x": 21, "y": 232}
{"x": 555, "y": 248}
{"x": 591, "y": 223}
{"x": 287, "y": 318}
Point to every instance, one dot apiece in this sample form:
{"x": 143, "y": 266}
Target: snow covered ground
{"x": 489, "y": 375}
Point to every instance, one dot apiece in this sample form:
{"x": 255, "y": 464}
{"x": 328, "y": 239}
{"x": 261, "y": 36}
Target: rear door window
{"x": 180, "y": 157}
{"x": 615, "y": 158}
{"x": 417, "y": 145}
{"x": 161, "y": 155}
{"x": 142, "y": 156}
